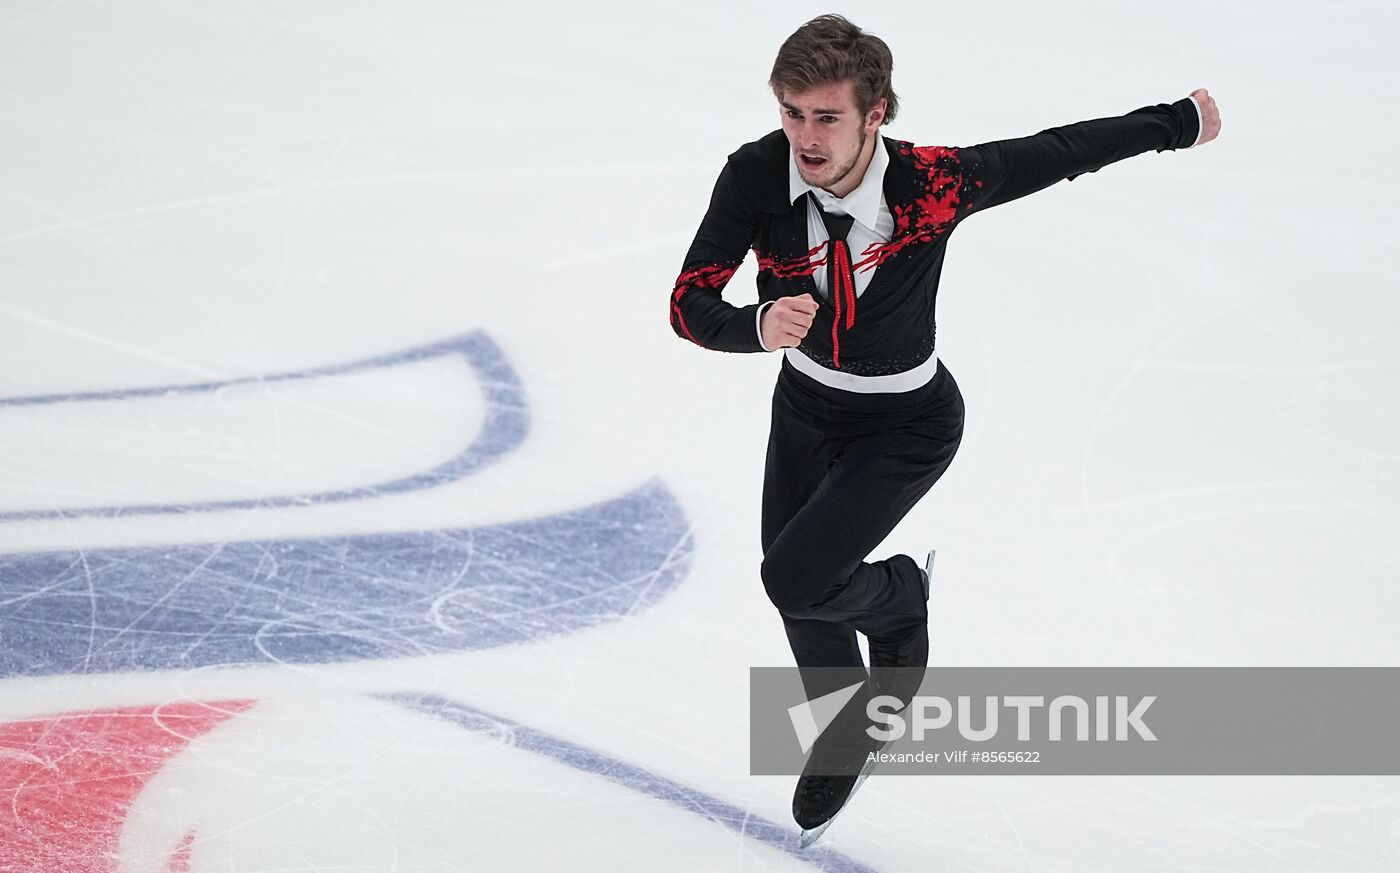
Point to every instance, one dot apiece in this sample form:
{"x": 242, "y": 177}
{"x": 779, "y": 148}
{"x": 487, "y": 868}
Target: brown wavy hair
{"x": 829, "y": 49}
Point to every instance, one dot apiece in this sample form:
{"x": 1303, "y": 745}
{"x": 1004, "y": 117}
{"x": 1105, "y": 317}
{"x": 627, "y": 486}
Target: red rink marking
{"x": 67, "y": 781}
{"x": 180, "y": 861}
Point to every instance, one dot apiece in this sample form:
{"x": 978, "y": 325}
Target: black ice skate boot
{"x": 897, "y": 668}
{"x": 833, "y": 773}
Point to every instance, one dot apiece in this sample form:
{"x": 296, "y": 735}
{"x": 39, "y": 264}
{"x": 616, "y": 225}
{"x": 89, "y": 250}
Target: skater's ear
{"x": 876, "y": 116}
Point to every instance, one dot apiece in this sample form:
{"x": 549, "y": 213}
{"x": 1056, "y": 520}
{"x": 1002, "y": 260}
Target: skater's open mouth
{"x": 812, "y": 162}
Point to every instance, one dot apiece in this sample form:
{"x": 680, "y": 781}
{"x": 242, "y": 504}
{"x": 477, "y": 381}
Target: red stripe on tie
{"x": 836, "y": 297}
{"x": 849, "y": 279}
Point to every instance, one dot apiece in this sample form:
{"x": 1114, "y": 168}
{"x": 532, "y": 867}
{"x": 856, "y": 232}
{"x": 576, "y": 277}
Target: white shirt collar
{"x": 862, "y": 204}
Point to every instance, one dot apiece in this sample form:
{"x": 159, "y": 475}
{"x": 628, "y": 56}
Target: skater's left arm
{"x": 1001, "y": 171}
{"x": 698, "y": 310}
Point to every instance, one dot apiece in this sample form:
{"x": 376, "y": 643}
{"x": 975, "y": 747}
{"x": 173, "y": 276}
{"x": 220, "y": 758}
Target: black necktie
{"x": 840, "y": 281}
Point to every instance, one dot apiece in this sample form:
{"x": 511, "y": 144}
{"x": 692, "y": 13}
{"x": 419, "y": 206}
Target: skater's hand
{"x": 786, "y": 322}
{"x": 1210, "y": 116}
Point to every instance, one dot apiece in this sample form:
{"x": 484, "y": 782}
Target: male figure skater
{"x": 850, "y": 229}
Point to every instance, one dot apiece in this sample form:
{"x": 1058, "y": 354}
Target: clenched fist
{"x": 786, "y": 322}
{"x": 1210, "y": 116}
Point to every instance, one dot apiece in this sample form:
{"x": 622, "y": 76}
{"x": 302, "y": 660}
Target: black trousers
{"x": 842, "y": 470}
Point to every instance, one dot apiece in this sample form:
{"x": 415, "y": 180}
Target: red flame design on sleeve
{"x": 706, "y": 276}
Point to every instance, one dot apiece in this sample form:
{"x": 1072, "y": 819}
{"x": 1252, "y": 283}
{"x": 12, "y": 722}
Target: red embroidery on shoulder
{"x": 932, "y": 214}
{"x": 943, "y": 170}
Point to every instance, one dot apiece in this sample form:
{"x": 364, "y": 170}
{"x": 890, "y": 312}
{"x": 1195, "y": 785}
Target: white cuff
{"x": 1200, "y": 121}
{"x": 758, "y": 324}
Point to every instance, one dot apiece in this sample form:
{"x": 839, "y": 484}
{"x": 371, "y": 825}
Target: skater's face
{"x": 831, "y": 141}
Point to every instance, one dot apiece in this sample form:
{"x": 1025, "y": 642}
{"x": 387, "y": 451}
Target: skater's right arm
{"x": 786, "y": 321}
{"x": 698, "y": 312}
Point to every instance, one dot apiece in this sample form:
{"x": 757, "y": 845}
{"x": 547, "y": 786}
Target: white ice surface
{"x": 1180, "y": 375}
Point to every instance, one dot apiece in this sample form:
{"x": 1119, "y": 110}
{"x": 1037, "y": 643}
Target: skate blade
{"x": 811, "y": 835}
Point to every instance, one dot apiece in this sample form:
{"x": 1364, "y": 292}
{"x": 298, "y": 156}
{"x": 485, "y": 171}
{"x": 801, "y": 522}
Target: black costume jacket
{"x": 929, "y": 190}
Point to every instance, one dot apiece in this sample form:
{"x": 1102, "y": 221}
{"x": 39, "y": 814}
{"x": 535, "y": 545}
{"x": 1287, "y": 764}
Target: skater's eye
{"x": 793, "y": 113}
{"x": 830, "y": 119}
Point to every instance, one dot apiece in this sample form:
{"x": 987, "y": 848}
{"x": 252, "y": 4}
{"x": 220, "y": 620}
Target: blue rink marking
{"x": 504, "y": 428}
{"x": 340, "y": 598}
{"x": 692, "y": 800}
{"x": 369, "y": 596}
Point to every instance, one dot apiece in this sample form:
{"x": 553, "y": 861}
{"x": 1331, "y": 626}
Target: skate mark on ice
{"x": 693, "y": 800}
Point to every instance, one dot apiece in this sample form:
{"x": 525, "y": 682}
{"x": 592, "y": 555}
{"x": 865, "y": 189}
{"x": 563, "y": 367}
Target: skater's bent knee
{"x": 791, "y": 591}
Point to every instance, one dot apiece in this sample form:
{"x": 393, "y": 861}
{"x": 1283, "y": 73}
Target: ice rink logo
{"x": 336, "y": 597}
{"x": 186, "y": 784}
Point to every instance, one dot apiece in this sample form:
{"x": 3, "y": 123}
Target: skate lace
{"x": 891, "y": 656}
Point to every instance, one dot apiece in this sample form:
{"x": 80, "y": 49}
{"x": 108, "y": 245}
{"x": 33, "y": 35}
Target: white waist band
{"x": 891, "y": 383}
